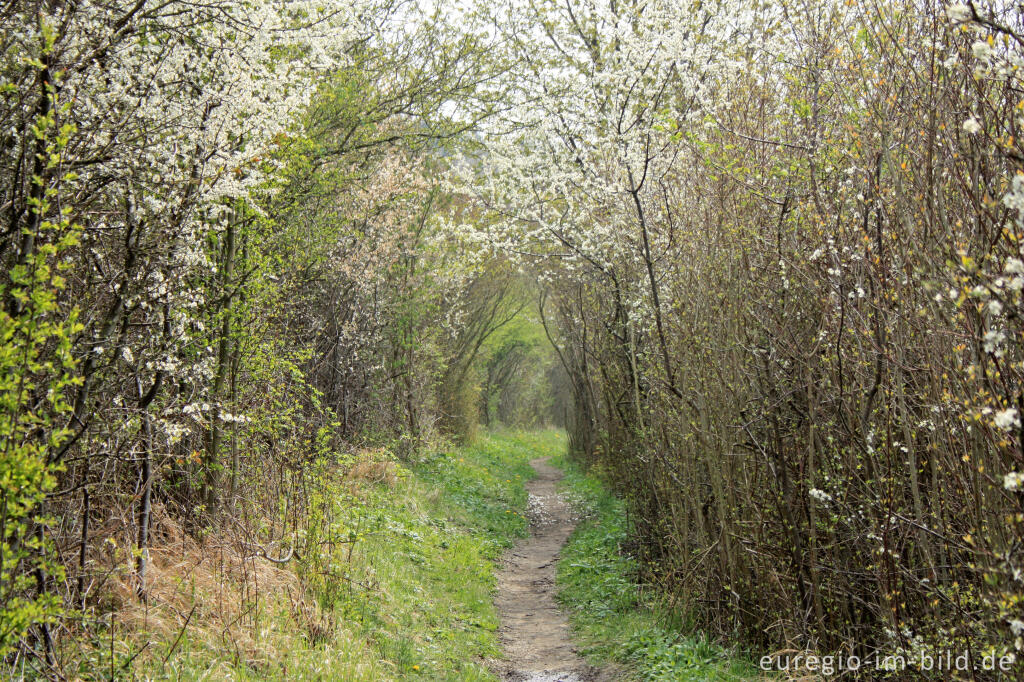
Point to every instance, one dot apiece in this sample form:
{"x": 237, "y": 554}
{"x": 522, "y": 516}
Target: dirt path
{"x": 534, "y": 631}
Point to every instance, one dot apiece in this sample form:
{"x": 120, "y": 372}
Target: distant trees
{"x": 520, "y": 375}
{"x": 782, "y": 242}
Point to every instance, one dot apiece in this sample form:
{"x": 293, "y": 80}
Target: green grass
{"x": 405, "y": 591}
{"x": 412, "y": 600}
{"x": 614, "y": 620}
{"x": 436, "y": 617}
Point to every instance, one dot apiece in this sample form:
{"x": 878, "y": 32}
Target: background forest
{"x": 762, "y": 260}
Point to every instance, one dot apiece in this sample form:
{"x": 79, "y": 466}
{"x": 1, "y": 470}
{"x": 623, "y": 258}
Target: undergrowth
{"x": 400, "y": 585}
{"x": 615, "y": 619}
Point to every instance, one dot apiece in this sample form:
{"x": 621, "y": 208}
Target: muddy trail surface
{"x": 534, "y": 631}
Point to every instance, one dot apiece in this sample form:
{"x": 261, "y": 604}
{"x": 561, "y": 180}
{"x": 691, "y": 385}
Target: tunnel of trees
{"x": 761, "y": 260}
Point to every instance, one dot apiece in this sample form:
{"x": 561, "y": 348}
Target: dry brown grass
{"x": 218, "y": 587}
{"x": 374, "y": 466}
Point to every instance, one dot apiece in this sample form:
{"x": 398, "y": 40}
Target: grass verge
{"x": 614, "y": 620}
{"x": 396, "y": 580}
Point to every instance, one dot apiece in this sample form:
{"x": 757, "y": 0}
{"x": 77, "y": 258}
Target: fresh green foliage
{"x": 35, "y": 373}
{"x": 618, "y": 618}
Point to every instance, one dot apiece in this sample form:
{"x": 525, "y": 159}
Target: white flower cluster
{"x": 820, "y": 495}
{"x": 172, "y": 111}
{"x": 575, "y": 185}
{"x": 1014, "y": 198}
{"x": 1007, "y": 419}
{"x": 959, "y": 13}
{"x": 1013, "y": 481}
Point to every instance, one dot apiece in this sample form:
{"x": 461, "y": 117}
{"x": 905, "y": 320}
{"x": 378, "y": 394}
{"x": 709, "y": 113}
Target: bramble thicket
{"x": 761, "y": 259}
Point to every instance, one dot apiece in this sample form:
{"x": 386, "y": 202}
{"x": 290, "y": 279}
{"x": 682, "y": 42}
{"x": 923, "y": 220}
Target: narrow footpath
{"x": 534, "y": 632}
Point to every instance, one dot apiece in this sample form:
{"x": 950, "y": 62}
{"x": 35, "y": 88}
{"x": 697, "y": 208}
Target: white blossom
{"x": 993, "y": 341}
{"x": 958, "y": 12}
{"x": 819, "y": 495}
{"x": 1006, "y": 419}
{"x": 981, "y": 49}
{"x": 972, "y": 126}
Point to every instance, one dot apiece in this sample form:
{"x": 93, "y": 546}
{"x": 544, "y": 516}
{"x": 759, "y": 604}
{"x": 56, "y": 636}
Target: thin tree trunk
{"x": 212, "y": 464}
